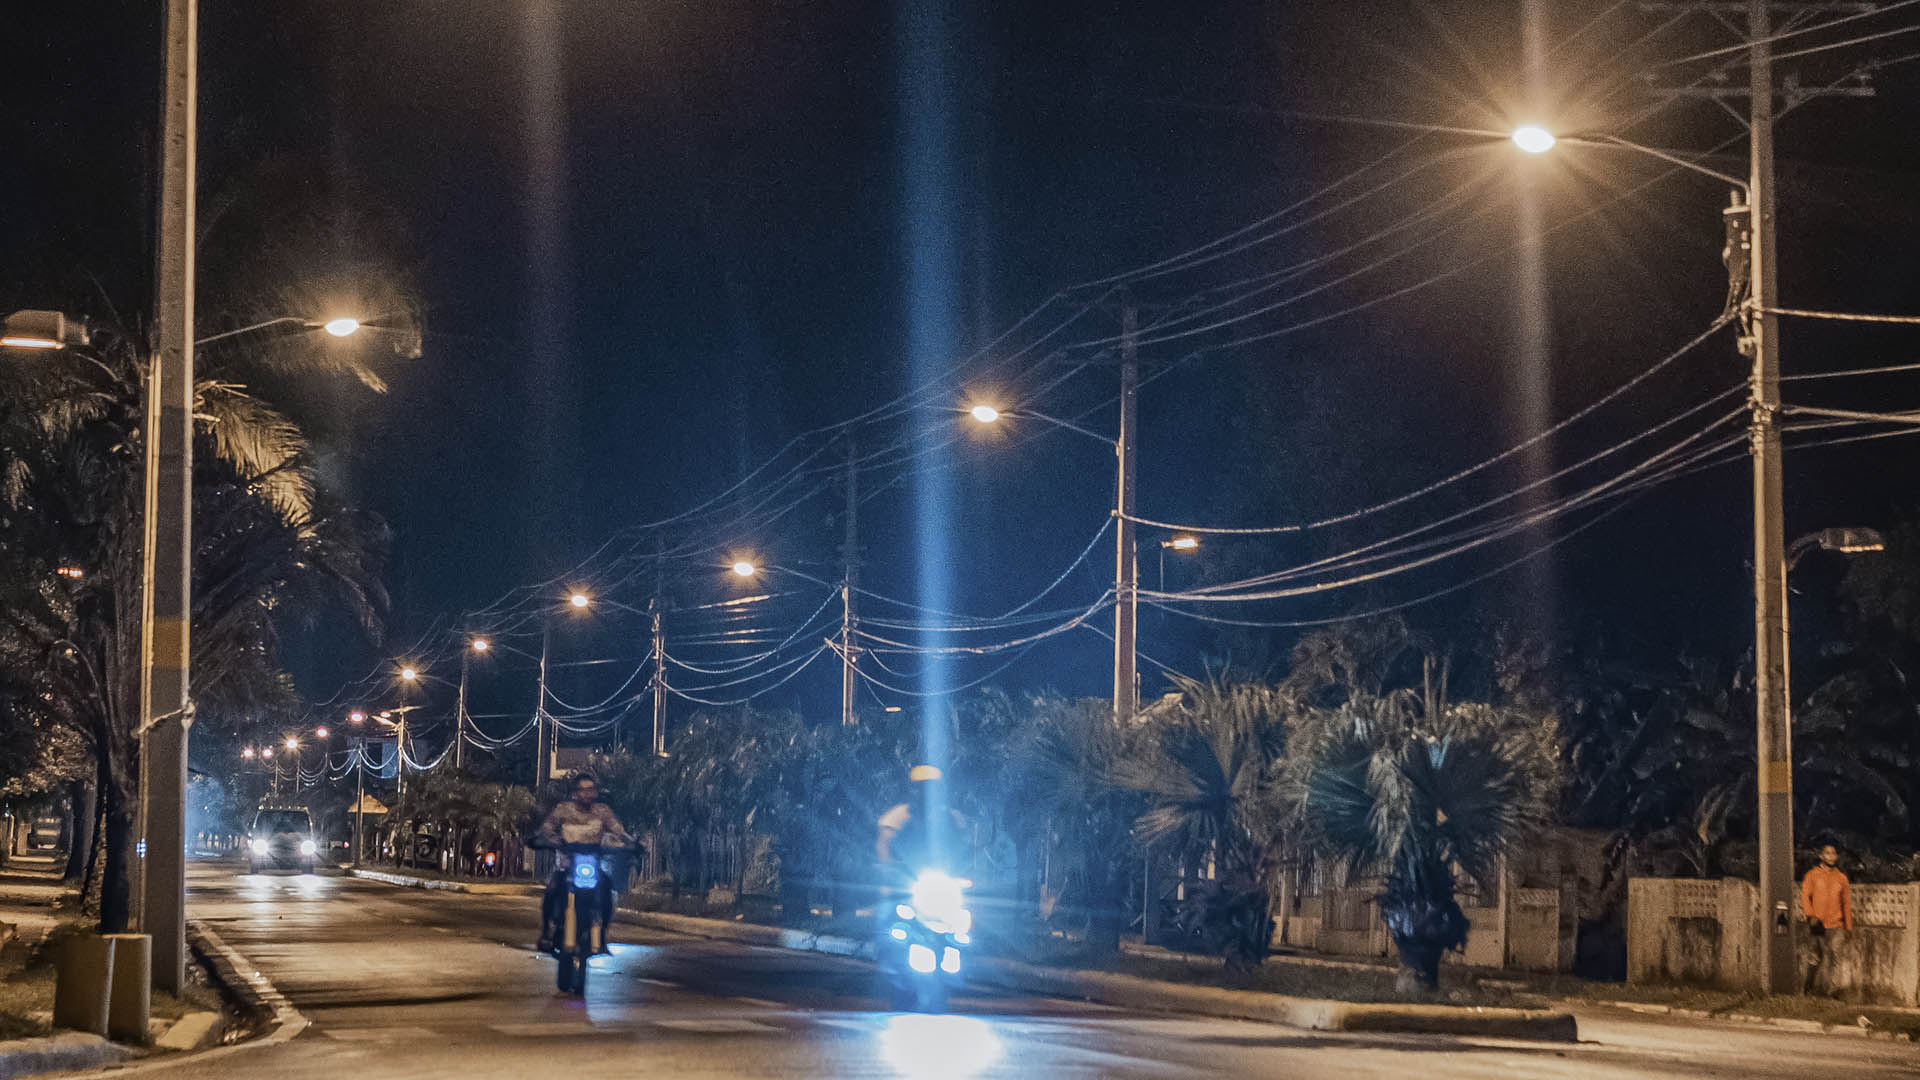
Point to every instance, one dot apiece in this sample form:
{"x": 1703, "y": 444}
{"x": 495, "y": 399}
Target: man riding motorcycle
{"x": 581, "y": 819}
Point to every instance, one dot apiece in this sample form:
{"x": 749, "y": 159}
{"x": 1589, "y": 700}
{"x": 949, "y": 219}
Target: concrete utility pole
{"x": 1762, "y": 342}
{"x": 659, "y": 681}
{"x": 850, "y": 551}
{"x": 540, "y": 711}
{"x": 1126, "y": 574}
{"x": 460, "y": 710}
{"x": 166, "y": 584}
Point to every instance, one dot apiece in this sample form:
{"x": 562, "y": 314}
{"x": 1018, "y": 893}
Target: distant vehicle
{"x": 44, "y": 834}
{"x": 282, "y": 837}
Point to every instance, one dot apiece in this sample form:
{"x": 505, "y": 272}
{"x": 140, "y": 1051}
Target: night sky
{"x": 652, "y": 242}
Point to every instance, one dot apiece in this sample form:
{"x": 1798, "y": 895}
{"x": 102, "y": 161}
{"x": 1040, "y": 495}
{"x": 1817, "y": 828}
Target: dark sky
{"x": 652, "y": 241}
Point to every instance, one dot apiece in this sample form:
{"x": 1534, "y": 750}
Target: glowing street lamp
{"x": 293, "y": 743}
{"x": 744, "y": 568}
{"x": 356, "y": 717}
{"x": 321, "y": 732}
{"x": 266, "y": 752}
{"x": 1533, "y": 138}
{"x": 481, "y": 644}
{"x": 408, "y": 674}
{"x": 1182, "y": 543}
{"x": 246, "y": 752}
{"x": 579, "y": 600}
{"x": 341, "y": 327}
{"x": 986, "y": 414}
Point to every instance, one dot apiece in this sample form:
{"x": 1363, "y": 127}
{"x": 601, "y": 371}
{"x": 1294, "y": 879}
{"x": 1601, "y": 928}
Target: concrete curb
{"x": 1131, "y": 991}
{"x": 1783, "y": 1023}
{"x": 58, "y": 1053}
{"x": 194, "y": 1031}
{"x": 246, "y": 986}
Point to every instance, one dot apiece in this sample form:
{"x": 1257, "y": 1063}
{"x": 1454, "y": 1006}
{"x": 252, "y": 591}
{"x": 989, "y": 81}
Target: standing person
{"x": 1826, "y": 901}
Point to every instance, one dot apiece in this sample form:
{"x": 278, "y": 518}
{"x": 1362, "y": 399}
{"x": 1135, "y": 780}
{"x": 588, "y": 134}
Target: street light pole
{"x": 1126, "y": 576}
{"x": 1770, "y": 660}
{"x": 166, "y": 584}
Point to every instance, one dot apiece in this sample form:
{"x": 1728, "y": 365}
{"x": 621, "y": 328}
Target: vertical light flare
{"x": 550, "y": 452}
{"x": 929, "y": 231}
{"x": 1531, "y": 384}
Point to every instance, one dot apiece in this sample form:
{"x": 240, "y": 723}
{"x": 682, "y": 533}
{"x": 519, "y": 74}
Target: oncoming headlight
{"x": 259, "y": 846}
{"x": 308, "y": 847}
{"x": 940, "y": 901}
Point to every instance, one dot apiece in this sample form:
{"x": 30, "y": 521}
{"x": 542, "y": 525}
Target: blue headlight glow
{"x": 586, "y": 872}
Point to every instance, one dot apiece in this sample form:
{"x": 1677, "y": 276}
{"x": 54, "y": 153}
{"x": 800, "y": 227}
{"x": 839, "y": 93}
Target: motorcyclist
{"x": 580, "y": 819}
{"x": 914, "y": 834}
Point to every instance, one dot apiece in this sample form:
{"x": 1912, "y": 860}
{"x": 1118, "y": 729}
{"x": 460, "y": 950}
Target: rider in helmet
{"x": 915, "y": 833}
{"x": 579, "y": 819}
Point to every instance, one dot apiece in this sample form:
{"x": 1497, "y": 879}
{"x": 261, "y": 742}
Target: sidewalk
{"x": 34, "y": 903}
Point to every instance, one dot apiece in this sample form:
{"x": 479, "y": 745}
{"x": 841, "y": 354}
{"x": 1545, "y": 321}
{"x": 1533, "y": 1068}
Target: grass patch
{"x": 22, "y": 994}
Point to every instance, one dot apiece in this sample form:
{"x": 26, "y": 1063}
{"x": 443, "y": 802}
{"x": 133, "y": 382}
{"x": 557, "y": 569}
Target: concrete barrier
{"x": 130, "y": 999}
{"x": 83, "y": 984}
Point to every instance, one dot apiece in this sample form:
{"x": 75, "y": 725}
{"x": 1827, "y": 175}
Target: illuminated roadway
{"x": 410, "y": 984}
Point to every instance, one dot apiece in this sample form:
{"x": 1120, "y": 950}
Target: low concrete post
{"x": 130, "y": 1001}
{"x": 83, "y": 983}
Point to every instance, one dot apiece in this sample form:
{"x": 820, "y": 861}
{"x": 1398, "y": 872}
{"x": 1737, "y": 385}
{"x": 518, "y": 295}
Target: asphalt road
{"x": 405, "y": 983}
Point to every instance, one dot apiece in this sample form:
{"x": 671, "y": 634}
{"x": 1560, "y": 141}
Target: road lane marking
{"x": 762, "y": 1002}
{"x": 380, "y": 1034}
{"x": 552, "y": 1028}
{"x": 716, "y": 1027}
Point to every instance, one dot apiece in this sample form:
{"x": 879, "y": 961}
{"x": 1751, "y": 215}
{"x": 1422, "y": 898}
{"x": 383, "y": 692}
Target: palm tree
{"x": 1409, "y": 786}
{"x": 267, "y": 546}
{"x": 1072, "y": 754}
{"x": 1209, "y": 770}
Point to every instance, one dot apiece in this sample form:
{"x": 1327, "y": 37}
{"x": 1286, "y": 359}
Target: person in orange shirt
{"x": 1826, "y": 902}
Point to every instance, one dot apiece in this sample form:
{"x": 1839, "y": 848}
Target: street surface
{"x": 416, "y": 984}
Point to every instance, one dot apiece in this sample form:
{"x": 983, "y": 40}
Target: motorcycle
{"x": 931, "y": 925}
{"x": 581, "y": 932}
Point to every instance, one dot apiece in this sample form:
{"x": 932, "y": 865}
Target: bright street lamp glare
{"x": 247, "y": 752}
{"x": 342, "y": 327}
{"x": 24, "y": 342}
{"x": 986, "y": 414}
{"x": 321, "y": 732}
{"x": 1533, "y": 138}
{"x": 356, "y": 717}
{"x": 1185, "y": 543}
{"x": 481, "y": 644}
{"x": 743, "y": 568}
{"x": 409, "y": 674}
{"x": 293, "y": 743}
{"x": 578, "y": 600}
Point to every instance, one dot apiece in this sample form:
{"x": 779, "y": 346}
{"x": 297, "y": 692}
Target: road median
{"x": 1126, "y": 991}
{"x": 1159, "y": 995}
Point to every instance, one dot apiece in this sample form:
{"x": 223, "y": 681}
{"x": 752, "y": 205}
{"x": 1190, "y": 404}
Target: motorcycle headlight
{"x": 308, "y": 847}
{"x": 259, "y": 846}
{"x": 940, "y": 900}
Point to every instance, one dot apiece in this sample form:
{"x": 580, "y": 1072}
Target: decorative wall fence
{"x": 1707, "y": 932}
{"x": 1518, "y": 928}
